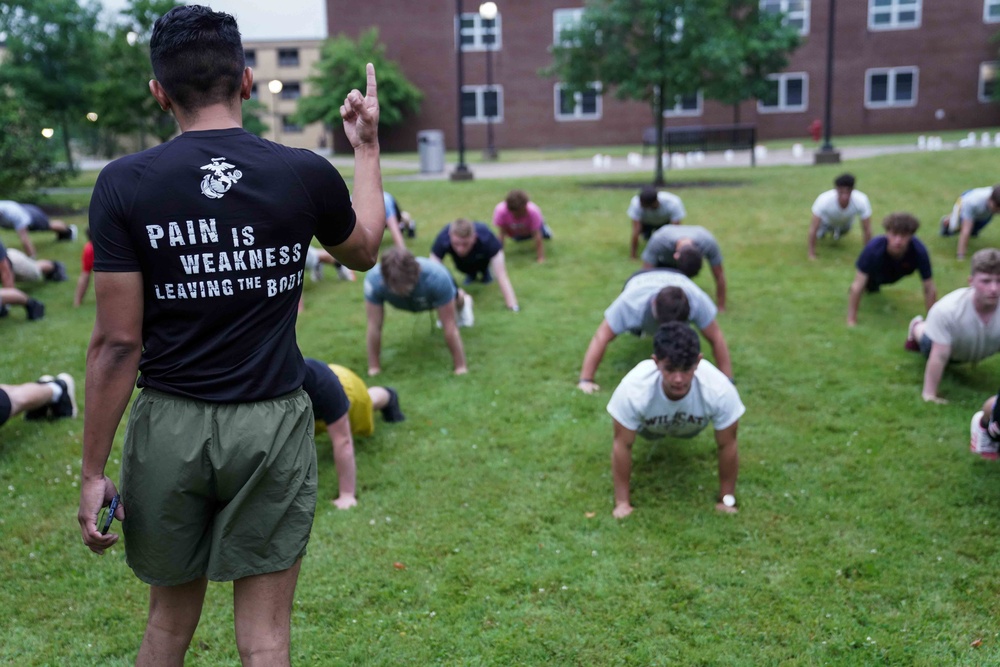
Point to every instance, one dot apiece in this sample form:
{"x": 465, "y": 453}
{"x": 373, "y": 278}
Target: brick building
{"x": 900, "y": 65}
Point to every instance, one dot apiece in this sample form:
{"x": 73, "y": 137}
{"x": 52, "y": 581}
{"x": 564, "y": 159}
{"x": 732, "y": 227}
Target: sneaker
{"x": 980, "y": 441}
{"x": 58, "y": 273}
{"x": 345, "y": 273}
{"x": 836, "y": 234}
{"x": 391, "y": 412}
{"x": 945, "y": 225}
{"x": 912, "y": 344}
{"x": 66, "y": 407}
{"x": 465, "y": 317}
{"x": 4, "y": 311}
{"x": 35, "y": 309}
{"x": 42, "y": 412}
{"x": 546, "y": 231}
{"x": 74, "y": 233}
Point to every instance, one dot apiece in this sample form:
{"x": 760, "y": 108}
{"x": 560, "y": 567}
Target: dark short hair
{"x": 995, "y": 195}
{"x": 677, "y": 344}
{"x": 400, "y": 270}
{"x": 648, "y": 196}
{"x": 900, "y": 223}
{"x": 517, "y": 201}
{"x": 671, "y": 305}
{"x": 197, "y": 56}
{"x": 689, "y": 260}
{"x": 844, "y": 181}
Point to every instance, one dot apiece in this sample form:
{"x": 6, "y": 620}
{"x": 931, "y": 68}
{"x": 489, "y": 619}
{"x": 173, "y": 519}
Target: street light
{"x": 826, "y": 154}
{"x": 92, "y": 117}
{"x": 275, "y": 87}
{"x": 48, "y": 132}
{"x": 462, "y": 171}
{"x": 488, "y": 12}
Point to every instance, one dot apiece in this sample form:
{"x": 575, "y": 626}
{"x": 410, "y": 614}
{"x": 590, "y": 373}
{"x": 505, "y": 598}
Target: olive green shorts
{"x": 213, "y": 490}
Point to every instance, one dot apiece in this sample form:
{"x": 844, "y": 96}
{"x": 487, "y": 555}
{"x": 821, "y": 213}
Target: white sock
{"x": 57, "y": 391}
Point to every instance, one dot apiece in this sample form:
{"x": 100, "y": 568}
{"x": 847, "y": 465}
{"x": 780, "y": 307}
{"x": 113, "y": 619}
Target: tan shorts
{"x": 25, "y": 268}
{"x": 223, "y": 491}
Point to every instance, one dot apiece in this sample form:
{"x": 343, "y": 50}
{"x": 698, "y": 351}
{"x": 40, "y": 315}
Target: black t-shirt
{"x": 328, "y": 397}
{"x": 483, "y": 250}
{"x": 218, "y": 222}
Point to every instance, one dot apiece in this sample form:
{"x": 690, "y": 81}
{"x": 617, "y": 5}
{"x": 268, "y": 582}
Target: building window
{"x": 250, "y": 56}
{"x": 291, "y": 91}
{"x": 684, "y": 105}
{"x": 891, "y": 87}
{"x": 585, "y": 105}
{"x": 796, "y": 12}
{"x": 789, "y": 92}
{"x": 564, "y": 19}
{"x": 991, "y": 11}
{"x": 289, "y": 126}
{"x": 479, "y": 34}
{"x": 480, "y": 103}
{"x": 988, "y": 81}
{"x": 893, "y": 14}
{"x": 288, "y": 57}
{"x": 253, "y": 91}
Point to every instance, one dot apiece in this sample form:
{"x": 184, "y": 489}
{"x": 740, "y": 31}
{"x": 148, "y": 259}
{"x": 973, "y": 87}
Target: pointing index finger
{"x": 371, "y": 90}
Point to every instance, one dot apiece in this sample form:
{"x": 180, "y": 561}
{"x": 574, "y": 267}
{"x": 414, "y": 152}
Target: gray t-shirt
{"x": 435, "y": 287}
{"x": 13, "y": 215}
{"x": 633, "y": 308}
{"x": 670, "y": 210}
{"x": 953, "y": 321}
{"x": 660, "y": 249}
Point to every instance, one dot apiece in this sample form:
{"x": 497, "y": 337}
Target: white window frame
{"x": 893, "y": 10}
{"x": 558, "y": 26}
{"x": 480, "y": 117}
{"x": 802, "y": 14}
{"x": 987, "y": 5}
{"x": 578, "y": 113}
{"x": 782, "y": 105}
{"x": 983, "y": 67}
{"x": 892, "y": 73}
{"x": 676, "y": 111}
{"x": 477, "y": 31}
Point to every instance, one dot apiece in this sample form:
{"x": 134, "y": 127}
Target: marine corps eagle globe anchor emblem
{"x": 217, "y": 182}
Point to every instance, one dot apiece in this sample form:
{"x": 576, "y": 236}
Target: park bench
{"x": 699, "y": 138}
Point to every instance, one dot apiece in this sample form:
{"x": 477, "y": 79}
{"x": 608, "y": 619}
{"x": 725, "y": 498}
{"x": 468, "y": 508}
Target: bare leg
{"x": 262, "y": 607}
{"x": 380, "y": 397}
{"x": 58, "y": 226}
{"x": 13, "y": 297}
{"x": 173, "y": 616}
{"x": 27, "y": 396}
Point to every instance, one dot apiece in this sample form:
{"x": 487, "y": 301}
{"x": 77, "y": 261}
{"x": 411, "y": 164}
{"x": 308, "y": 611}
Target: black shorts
{"x": 5, "y": 407}
{"x": 39, "y": 221}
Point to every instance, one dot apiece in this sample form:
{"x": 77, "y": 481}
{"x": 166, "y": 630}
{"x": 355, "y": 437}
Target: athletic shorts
{"x": 24, "y": 267}
{"x": 39, "y": 221}
{"x": 213, "y": 490}
{"x": 5, "y": 407}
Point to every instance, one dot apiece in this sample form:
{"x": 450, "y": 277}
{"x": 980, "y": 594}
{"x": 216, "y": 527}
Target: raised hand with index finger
{"x": 361, "y": 114}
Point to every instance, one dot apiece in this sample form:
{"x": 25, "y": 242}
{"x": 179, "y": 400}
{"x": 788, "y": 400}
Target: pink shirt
{"x": 518, "y": 227}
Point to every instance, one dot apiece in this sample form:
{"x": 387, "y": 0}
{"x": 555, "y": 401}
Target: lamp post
{"x": 462, "y": 171}
{"x": 826, "y": 154}
{"x": 488, "y": 12}
{"x": 275, "y": 87}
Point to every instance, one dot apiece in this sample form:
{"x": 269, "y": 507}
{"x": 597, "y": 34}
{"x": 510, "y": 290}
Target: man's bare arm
{"x": 621, "y": 469}
{"x": 854, "y": 297}
{"x": 729, "y": 464}
{"x": 720, "y": 287}
{"x": 373, "y": 337}
{"x": 934, "y": 371}
{"x": 452, "y": 337}
{"x": 634, "y": 241}
{"x": 592, "y": 358}
{"x": 498, "y": 265}
{"x": 930, "y": 293}
{"x": 343, "y": 459}
{"x": 720, "y": 350}
{"x": 813, "y": 228}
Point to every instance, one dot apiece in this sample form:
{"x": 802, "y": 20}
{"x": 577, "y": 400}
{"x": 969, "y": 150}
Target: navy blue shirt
{"x": 328, "y": 397}
{"x": 218, "y": 223}
{"x": 478, "y": 260}
{"x": 882, "y": 269}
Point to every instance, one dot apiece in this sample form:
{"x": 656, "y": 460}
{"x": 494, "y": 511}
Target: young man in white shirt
{"x": 973, "y": 211}
{"x": 676, "y": 393}
{"x": 963, "y": 326}
{"x": 834, "y": 211}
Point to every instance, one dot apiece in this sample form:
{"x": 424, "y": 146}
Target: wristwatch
{"x": 729, "y": 500}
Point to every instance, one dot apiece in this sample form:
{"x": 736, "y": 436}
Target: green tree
{"x": 651, "y": 50}
{"x": 51, "y": 49}
{"x": 27, "y": 159}
{"x": 341, "y": 67}
{"x": 252, "y": 111}
{"x": 120, "y": 95}
{"x": 749, "y": 46}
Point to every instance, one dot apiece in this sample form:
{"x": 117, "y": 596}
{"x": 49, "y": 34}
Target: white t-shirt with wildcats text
{"x": 828, "y": 210}
{"x": 640, "y": 404}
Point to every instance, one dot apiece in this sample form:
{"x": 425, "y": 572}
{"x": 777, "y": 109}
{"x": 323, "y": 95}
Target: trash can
{"x": 430, "y": 145}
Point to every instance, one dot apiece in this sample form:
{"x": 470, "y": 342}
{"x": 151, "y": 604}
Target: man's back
{"x": 631, "y": 310}
{"x": 218, "y": 222}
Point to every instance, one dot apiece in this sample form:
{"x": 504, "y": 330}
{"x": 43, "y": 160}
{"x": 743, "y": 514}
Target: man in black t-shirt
{"x": 476, "y": 251}
{"x": 199, "y": 254}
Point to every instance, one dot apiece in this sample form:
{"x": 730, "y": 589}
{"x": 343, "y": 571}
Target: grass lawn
{"x": 866, "y": 528}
